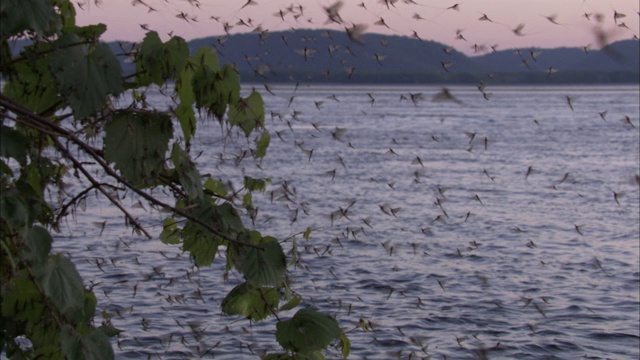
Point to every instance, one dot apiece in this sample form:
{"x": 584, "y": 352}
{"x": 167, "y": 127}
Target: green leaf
{"x": 85, "y": 74}
{"x": 108, "y": 329}
{"x": 279, "y": 356}
{"x": 247, "y": 202}
{"x": 202, "y": 243}
{"x": 67, "y": 13}
{"x": 291, "y": 304}
{"x": 202, "y": 248}
{"x": 90, "y": 303}
{"x": 34, "y": 177}
{"x": 216, "y": 187}
{"x": 209, "y": 95}
{"x": 31, "y": 84}
{"x": 308, "y": 331}
{"x": 294, "y": 252}
{"x": 5, "y": 169}
{"x": 205, "y": 65}
{"x": 170, "y": 231}
{"x": 13, "y": 145}
{"x": 90, "y": 32}
{"x": 148, "y": 64}
{"x": 62, "y": 284}
{"x": 46, "y": 341}
{"x": 37, "y": 18}
{"x": 255, "y": 184}
{"x": 229, "y": 84}
{"x": 197, "y": 240}
{"x": 248, "y": 113}
{"x": 32, "y": 200}
{"x": 137, "y": 141}
{"x": 314, "y": 355}
{"x": 188, "y": 173}
{"x": 88, "y": 310}
{"x": 158, "y": 62}
{"x": 13, "y": 209}
{"x": 254, "y": 303}
{"x": 284, "y": 356}
{"x": 262, "y": 145}
{"x": 94, "y": 346}
{"x": 307, "y": 233}
{"x": 175, "y": 56}
{"x": 206, "y": 59}
{"x": 184, "y": 111}
{"x": 264, "y": 266}
{"x": 38, "y": 244}
{"x": 227, "y": 219}
{"x": 20, "y": 294}
{"x": 345, "y": 345}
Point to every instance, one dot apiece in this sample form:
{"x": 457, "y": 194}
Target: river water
{"x": 501, "y": 228}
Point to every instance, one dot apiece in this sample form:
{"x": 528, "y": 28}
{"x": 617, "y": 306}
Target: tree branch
{"x": 98, "y": 186}
{"x": 79, "y": 166}
{"x": 24, "y": 57}
{"x": 63, "y": 209}
{"x": 10, "y": 105}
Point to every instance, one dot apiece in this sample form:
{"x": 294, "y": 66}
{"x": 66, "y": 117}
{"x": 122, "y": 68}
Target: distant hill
{"x": 330, "y": 56}
{"x": 531, "y": 59}
{"x": 619, "y": 62}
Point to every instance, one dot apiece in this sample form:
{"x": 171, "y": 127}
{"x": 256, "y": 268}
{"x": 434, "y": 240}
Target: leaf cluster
{"x": 57, "y": 100}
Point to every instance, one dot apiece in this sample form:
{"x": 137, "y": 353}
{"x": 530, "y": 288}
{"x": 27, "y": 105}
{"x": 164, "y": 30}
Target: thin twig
{"x": 273, "y": 311}
{"x": 97, "y": 185}
{"x": 63, "y": 209}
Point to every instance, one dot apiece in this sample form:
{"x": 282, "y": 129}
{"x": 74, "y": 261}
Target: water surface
{"x": 509, "y": 247}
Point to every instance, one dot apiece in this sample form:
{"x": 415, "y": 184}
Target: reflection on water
{"x": 506, "y": 228}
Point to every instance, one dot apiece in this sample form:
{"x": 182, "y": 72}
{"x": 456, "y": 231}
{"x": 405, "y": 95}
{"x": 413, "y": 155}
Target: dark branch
{"x": 36, "y": 121}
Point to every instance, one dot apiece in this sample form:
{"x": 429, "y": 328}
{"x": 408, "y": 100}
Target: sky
{"x": 467, "y": 25}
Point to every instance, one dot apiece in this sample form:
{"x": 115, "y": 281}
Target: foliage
{"x": 66, "y": 80}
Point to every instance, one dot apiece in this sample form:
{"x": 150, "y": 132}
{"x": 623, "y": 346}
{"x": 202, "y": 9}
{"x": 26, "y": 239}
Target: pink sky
{"x": 435, "y": 21}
